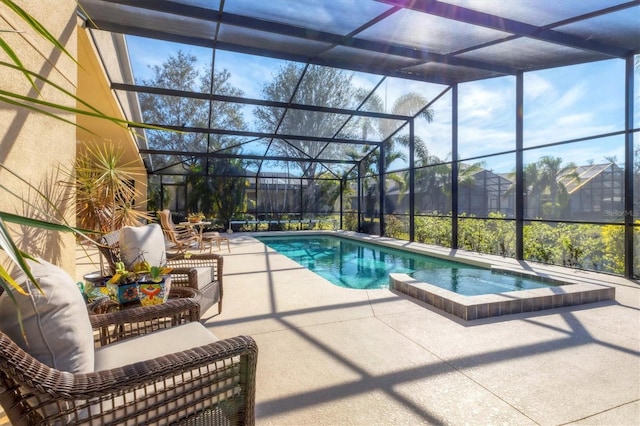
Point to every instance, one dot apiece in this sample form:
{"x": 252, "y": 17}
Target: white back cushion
{"x": 56, "y": 323}
{"x": 138, "y": 243}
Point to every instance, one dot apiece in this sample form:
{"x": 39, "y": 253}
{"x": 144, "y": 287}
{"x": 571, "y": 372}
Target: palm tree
{"x": 434, "y": 181}
{"x": 409, "y": 104}
{"x": 543, "y": 180}
{"x": 533, "y": 190}
{"x": 552, "y": 172}
{"x": 36, "y": 104}
{"x": 228, "y": 188}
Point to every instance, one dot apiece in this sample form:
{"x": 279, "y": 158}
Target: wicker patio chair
{"x": 207, "y": 384}
{"x": 202, "y": 272}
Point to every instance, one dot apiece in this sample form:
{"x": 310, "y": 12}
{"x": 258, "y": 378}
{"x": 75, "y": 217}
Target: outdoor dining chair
{"x": 179, "y": 239}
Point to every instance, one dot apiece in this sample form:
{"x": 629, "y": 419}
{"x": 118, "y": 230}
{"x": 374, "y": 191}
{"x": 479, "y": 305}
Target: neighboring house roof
{"x": 576, "y": 178}
{"x": 572, "y": 180}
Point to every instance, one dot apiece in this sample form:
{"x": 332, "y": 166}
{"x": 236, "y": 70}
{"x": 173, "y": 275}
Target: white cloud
{"x": 570, "y": 100}
{"x": 535, "y": 86}
{"x": 576, "y": 120}
{"x": 479, "y": 103}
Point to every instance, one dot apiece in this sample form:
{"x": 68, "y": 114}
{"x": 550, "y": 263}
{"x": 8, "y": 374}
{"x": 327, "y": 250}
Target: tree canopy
{"x": 322, "y": 86}
{"x": 179, "y": 72}
{"x": 208, "y": 186}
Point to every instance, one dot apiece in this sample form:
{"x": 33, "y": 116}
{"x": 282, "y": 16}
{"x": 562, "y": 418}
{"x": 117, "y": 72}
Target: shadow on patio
{"x": 333, "y": 356}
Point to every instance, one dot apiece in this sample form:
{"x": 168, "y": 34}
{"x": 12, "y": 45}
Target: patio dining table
{"x": 200, "y": 225}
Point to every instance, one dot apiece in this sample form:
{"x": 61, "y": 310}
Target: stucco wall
{"x": 94, "y": 87}
{"x": 34, "y": 144}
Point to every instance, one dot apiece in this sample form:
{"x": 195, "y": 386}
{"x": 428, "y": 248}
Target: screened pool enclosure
{"x": 510, "y": 130}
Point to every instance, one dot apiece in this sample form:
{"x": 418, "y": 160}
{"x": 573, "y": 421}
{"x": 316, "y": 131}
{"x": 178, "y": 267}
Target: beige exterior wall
{"x": 34, "y": 144}
{"x": 93, "y": 87}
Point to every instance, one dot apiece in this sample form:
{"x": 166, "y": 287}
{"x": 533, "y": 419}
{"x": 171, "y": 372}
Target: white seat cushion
{"x": 179, "y": 398}
{"x": 56, "y": 323}
{"x": 159, "y": 343}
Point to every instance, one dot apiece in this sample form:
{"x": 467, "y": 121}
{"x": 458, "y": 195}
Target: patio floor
{"x": 335, "y": 356}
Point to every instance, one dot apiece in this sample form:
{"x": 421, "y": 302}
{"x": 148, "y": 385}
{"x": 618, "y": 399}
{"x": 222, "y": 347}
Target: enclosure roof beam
{"x": 256, "y": 51}
{"x": 245, "y": 133}
{"x": 517, "y": 28}
{"x": 220, "y": 17}
{"x": 244, "y": 156}
{"x": 256, "y": 102}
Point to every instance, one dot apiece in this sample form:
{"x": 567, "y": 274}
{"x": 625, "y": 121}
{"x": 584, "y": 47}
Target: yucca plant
{"x": 104, "y": 190}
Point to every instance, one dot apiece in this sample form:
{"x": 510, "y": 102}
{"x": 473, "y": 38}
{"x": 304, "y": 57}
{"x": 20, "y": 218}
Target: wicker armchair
{"x": 201, "y": 272}
{"x": 211, "y": 383}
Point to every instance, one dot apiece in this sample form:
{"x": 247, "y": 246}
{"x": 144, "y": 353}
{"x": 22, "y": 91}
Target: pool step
{"x": 492, "y": 305}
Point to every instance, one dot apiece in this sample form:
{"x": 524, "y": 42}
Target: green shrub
{"x": 492, "y": 236}
{"x": 613, "y": 247}
{"x": 503, "y": 235}
{"x": 433, "y": 230}
{"x": 350, "y": 221}
{"x": 393, "y": 227}
{"x": 473, "y": 235}
{"x": 541, "y": 242}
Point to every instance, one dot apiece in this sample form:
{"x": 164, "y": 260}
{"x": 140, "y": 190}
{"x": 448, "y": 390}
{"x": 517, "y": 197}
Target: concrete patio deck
{"x": 335, "y": 356}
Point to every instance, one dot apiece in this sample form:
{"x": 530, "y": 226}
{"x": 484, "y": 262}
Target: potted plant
{"x": 143, "y": 283}
{"x": 196, "y": 217}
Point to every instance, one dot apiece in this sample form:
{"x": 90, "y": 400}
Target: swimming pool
{"x": 354, "y": 264}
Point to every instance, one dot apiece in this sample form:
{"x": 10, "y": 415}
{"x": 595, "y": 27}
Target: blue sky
{"x": 560, "y": 104}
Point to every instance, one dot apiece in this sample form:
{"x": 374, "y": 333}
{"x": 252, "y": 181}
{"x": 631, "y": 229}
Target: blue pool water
{"x": 354, "y": 264}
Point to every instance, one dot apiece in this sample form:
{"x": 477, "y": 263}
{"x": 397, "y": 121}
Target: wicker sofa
{"x": 147, "y": 365}
{"x": 202, "y": 272}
